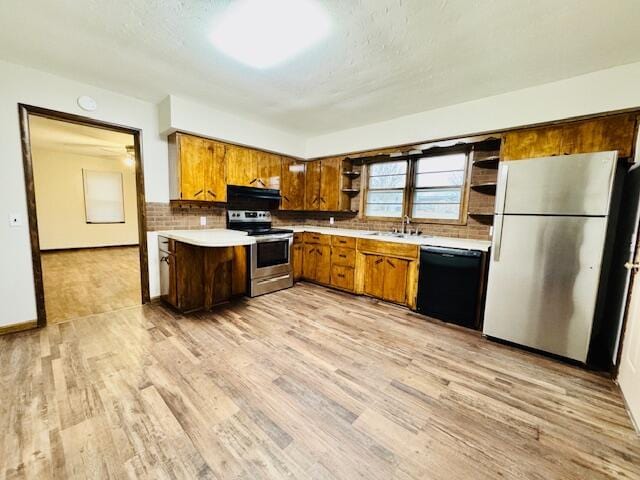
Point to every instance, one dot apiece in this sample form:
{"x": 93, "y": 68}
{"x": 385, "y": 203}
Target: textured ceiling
{"x": 382, "y": 59}
{"x": 78, "y": 139}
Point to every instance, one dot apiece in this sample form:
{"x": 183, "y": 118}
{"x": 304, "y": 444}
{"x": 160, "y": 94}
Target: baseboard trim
{"x": 18, "y": 327}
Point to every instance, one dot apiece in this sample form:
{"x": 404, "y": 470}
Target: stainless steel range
{"x": 270, "y": 266}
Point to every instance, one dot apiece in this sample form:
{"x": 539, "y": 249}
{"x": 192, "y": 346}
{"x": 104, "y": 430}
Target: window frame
{"x": 409, "y": 189}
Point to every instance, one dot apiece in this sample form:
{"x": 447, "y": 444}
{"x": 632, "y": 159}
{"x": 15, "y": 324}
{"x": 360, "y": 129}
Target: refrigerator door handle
{"x": 501, "y": 195}
{"x": 497, "y": 237}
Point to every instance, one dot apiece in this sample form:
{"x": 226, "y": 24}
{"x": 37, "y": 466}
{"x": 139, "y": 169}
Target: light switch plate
{"x": 15, "y": 220}
{"x": 203, "y": 221}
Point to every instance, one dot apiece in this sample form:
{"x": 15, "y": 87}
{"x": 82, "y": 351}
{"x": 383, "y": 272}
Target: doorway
{"x": 85, "y": 199}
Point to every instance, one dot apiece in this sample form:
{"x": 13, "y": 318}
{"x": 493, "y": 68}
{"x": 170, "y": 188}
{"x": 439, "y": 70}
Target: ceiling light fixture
{"x": 262, "y": 33}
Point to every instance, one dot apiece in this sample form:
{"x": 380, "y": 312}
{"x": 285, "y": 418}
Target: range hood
{"x": 239, "y": 197}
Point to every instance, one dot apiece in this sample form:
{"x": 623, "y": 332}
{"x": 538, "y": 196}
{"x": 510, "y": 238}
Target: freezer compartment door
{"x": 563, "y": 185}
{"x": 543, "y": 282}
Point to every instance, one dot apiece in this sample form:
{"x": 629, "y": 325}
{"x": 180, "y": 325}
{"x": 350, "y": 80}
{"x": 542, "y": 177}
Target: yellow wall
{"x": 60, "y": 202}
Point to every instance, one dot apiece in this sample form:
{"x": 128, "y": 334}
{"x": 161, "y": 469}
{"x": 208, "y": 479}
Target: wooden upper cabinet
{"x": 330, "y": 184}
{"x": 269, "y": 170}
{"x": 312, "y": 186}
{"x": 616, "y": 132}
{"x": 241, "y": 166}
{"x": 196, "y": 168}
{"x": 292, "y": 185}
{"x": 215, "y": 180}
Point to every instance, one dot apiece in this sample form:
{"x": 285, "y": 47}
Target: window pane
{"x": 441, "y": 163}
{"x": 391, "y": 181}
{"x": 437, "y": 196}
{"x": 383, "y": 210}
{"x": 436, "y": 210}
{"x": 388, "y": 168}
{"x": 382, "y": 196}
{"x": 442, "y": 179}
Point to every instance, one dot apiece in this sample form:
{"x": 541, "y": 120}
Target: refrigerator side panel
{"x": 543, "y": 282}
{"x": 563, "y": 185}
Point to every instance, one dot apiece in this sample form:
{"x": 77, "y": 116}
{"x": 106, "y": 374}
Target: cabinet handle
{"x": 253, "y": 181}
{"x": 342, "y": 241}
{"x": 322, "y": 200}
{"x": 198, "y": 193}
{"x": 211, "y": 193}
{"x": 315, "y": 200}
{"x": 379, "y": 260}
{"x": 165, "y": 259}
{"x": 285, "y": 197}
{"x": 319, "y": 252}
{"x": 342, "y": 256}
{"x": 263, "y": 184}
{"x": 389, "y": 262}
{"x": 340, "y": 275}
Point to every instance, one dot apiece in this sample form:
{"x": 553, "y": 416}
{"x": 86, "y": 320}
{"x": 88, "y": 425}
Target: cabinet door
{"x": 323, "y": 266}
{"x": 309, "y": 263}
{"x": 193, "y": 157}
{"x": 269, "y": 170}
{"x": 374, "y": 275}
{"x": 395, "y": 279}
{"x": 292, "y": 185}
{"x": 298, "y": 256}
{"x": 240, "y": 163}
{"x": 330, "y": 184}
{"x": 312, "y": 186}
{"x": 214, "y": 172}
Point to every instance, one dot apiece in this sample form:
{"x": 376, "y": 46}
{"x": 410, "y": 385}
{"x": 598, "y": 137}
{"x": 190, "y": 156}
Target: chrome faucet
{"x": 405, "y": 223}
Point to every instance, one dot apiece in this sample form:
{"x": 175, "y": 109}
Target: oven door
{"x": 271, "y": 255}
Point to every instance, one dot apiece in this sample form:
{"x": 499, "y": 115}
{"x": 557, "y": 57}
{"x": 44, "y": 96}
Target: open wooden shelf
{"x": 351, "y": 191}
{"x": 485, "y": 187}
{"x": 488, "y": 162}
{"x": 351, "y": 174}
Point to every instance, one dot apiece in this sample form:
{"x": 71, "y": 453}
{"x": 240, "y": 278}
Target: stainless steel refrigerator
{"x": 546, "y": 270}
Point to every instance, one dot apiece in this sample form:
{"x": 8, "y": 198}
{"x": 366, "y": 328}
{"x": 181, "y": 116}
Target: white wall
{"x": 602, "y": 91}
{"x": 59, "y": 186}
{"x": 24, "y": 85}
{"x": 179, "y": 114}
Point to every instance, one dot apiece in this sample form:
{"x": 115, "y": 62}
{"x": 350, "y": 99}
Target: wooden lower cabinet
{"x": 200, "y": 278}
{"x": 317, "y": 263}
{"x": 372, "y": 275}
{"x": 297, "y": 260}
{"x": 395, "y": 280}
{"x": 342, "y": 277}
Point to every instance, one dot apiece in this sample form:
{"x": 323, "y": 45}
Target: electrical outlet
{"x": 331, "y": 221}
{"x": 15, "y": 220}
{"x": 203, "y": 221}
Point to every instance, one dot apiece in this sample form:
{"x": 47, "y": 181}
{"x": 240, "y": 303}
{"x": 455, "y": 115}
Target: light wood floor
{"x": 305, "y": 383}
{"x": 88, "y": 281}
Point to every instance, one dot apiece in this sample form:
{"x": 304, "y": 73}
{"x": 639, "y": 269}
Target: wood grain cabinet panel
{"x": 342, "y": 277}
{"x": 312, "y": 185}
{"x": 292, "y": 188}
{"x": 343, "y": 256}
{"x": 330, "y": 184}
{"x": 268, "y": 170}
{"x": 395, "y": 280}
{"x": 616, "y": 132}
{"x": 394, "y": 249}
{"x": 323, "y": 265}
{"x": 343, "y": 242}
{"x": 373, "y": 275}
{"x": 215, "y": 180}
{"x": 310, "y": 261}
{"x": 193, "y": 155}
{"x": 318, "y": 238}
{"x": 298, "y": 260}
{"x": 241, "y": 166}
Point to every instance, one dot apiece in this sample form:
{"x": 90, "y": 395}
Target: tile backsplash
{"x": 164, "y": 216}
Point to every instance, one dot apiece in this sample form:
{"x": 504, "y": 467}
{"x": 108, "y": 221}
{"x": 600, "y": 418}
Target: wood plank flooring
{"x": 88, "y": 281}
{"x": 305, "y": 383}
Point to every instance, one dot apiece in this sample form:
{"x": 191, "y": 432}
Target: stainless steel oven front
{"x": 271, "y": 267}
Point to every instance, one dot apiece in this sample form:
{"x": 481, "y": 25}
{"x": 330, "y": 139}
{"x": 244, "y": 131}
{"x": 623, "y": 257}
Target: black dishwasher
{"x": 450, "y": 285}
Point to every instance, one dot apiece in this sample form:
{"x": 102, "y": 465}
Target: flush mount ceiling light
{"x": 262, "y": 33}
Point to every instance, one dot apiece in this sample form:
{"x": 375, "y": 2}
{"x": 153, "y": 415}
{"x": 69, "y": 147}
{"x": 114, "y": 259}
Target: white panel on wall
{"x": 103, "y": 197}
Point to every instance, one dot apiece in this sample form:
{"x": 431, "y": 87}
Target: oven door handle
{"x": 274, "y": 238}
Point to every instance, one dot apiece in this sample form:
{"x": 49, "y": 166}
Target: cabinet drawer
{"x": 317, "y": 238}
{"x": 298, "y": 237}
{"x": 343, "y": 256}
{"x": 343, "y": 242}
{"x": 392, "y": 249}
{"x": 342, "y": 277}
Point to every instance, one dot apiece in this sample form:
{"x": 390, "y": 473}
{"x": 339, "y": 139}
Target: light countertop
{"x": 221, "y": 237}
{"x": 216, "y": 237}
{"x": 447, "y": 242}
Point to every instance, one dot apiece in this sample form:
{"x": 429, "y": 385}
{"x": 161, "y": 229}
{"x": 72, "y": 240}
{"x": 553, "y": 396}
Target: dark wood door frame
{"x": 24, "y": 111}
